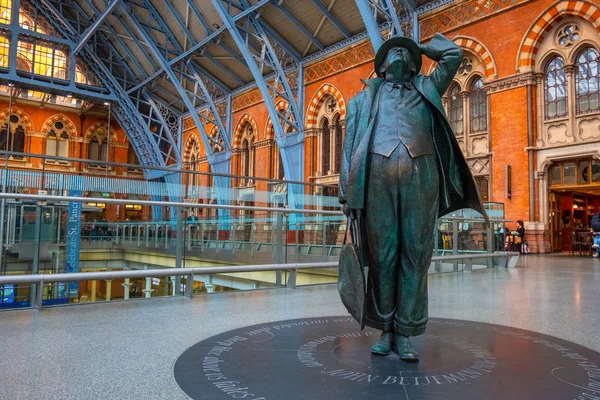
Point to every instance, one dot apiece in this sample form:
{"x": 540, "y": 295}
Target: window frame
{"x": 565, "y": 85}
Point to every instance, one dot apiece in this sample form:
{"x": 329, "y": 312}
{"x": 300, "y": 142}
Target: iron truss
{"x": 154, "y": 80}
{"x": 151, "y": 124}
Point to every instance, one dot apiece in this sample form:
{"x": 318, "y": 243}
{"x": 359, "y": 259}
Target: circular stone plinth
{"x": 329, "y": 358}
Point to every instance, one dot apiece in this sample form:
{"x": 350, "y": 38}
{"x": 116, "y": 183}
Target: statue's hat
{"x": 398, "y": 41}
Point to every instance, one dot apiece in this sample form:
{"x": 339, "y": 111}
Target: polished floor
{"x": 128, "y": 350}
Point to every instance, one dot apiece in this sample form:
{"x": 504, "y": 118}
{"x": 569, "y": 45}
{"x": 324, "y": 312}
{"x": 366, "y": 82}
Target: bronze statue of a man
{"x": 402, "y": 168}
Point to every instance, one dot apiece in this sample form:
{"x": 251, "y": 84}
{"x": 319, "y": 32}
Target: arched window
{"x": 98, "y": 148}
{"x": 338, "y": 143}
{"x": 325, "y": 147}
{"x": 556, "y": 90}
{"x": 57, "y": 143}
{"x": 280, "y": 169}
{"x": 330, "y": 134}
{"x": 455, "y": 107}
{"x": 467, "y": 112}
{"x": 4, "y": 137}
{"x": 19, "y": 140}
{"x": 132, "y": 156}
{"x": 587, "y": 81}
{"x": 478, "y": 107}
{"x": 245, "y": 158}
{"x": 247, "y": 165}
{"x": 15, "y": 139}
{"x": 193, "y": 168}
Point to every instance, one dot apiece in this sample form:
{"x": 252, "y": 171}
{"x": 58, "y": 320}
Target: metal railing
{"x": 10, "y": 156}
{"x": 39, "y": 280}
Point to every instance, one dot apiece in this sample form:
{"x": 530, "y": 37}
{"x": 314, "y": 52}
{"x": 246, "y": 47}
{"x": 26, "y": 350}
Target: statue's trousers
{"x": 399, "y": 221}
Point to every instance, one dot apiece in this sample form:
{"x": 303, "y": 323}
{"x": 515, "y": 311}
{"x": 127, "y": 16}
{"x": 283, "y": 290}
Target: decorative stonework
{"x": 510, "y": 82}
{"x": 69, "y": 125}
{"x": 100, "y": 125}
{"x": 568, "y": 35}
{"x": 589, "y": 128}
{"x": 264, "y": 143}
{"x": 540, "y": 28}
{"x": 316, "y": 101}
{"x": 247, "y": 99}
{"x": 191, "y": 146}
{"x": 479, "y": 145}
{"x": 269, "y": 131}
{"x": 479, "y": 166}
{"x": 558, "y": 133}
{"x": 24, "y": 118}
{"x": 358, "y": 55}
{"x": 481, "y": 51}
{"x": 312, "y": 132}
{"x": 459, "y": 15}
{"x": 237, "y": 136}
{"x": 188, "y": 124}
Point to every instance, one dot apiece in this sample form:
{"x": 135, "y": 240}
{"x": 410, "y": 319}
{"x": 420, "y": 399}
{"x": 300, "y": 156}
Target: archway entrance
{"x": 573, "y": 199}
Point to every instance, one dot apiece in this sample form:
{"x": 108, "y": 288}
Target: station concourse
{"x": 170, "y": 224}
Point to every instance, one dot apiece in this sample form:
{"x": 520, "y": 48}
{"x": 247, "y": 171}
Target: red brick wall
{"x": 509, "y": 138}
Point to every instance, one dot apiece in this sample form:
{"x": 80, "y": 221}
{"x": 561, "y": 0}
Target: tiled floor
{"x": 127, "y": 350}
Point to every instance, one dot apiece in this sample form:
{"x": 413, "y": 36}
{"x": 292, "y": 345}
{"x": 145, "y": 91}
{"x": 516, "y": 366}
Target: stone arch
{"x": 69, "y": 125}
{"x": 24, "y": 118}
{"x": 100, "y": 125}
{"x": 317, "y": 100}
{"x": 478, "y": 49}
{"x": 189, "y": 146}
{"x": 543, "y": 62}
{"x": 583, "y": 44}
{"x": 269, "y": 129}
{"x": 540, "y": 28}
{"x": 237, "y": 137}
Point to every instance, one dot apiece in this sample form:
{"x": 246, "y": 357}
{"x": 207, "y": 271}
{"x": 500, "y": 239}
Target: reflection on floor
{"x": 127, "y": 350}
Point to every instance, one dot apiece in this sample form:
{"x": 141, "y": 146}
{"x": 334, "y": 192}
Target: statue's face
{"x": 398, "y": 64}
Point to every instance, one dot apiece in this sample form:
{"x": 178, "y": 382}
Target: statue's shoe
{"x": 404, "y": 349}
{"x": 384, "y": 345}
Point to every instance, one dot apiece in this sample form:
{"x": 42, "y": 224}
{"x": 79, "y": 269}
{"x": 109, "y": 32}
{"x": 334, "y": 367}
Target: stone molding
{"x": 264, "y": 143}
{"x": 510, "y": 82}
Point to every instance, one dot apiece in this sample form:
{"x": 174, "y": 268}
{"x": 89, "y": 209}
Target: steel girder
{"x": 248, "y": 34}
{"x": 299, "y": 24}
{"x": 373, "y": 11}
{"x": 413, "y": 15}
{"x": 152, "y": 140}
{"x": 332, "y": 18}
{"x": 157, "y": 115}
{"x": 99, "y": 21}
{"x": 124, "y": 110}
{"x": 190, "y": 72}
{"x": 181, "y": 76}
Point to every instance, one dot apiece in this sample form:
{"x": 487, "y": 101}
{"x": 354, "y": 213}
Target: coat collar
{"x": 374, "y": 84}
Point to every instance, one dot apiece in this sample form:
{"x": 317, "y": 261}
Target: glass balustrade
{"x": 184, "y": 219}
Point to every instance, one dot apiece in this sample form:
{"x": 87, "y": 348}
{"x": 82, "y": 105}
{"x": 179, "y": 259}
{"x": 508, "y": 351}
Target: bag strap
{"x": 352, "y": 231}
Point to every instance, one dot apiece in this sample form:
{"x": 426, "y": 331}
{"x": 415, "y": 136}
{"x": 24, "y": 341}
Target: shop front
{"x": 573, "y": 198}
